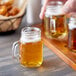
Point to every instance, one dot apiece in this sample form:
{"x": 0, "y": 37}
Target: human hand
{"x": 68, "y": 8}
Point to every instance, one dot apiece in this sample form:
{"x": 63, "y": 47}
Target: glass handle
{"x": 14, "y": 50}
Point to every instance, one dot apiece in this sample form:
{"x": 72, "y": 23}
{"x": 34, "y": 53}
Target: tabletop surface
{"x": 52, "y": 64}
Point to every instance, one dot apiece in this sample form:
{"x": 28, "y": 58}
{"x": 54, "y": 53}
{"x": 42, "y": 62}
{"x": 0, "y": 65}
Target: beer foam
{"x": 25, "y": 40}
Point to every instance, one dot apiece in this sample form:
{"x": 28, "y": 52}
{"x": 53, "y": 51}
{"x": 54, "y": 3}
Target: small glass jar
{"x": 30, "y": 47}
{"x": 72, "y": 34}
{"x": 54, "y": 21}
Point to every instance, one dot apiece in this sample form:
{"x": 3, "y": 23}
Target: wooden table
{"x": 52, "y": 64}
{"x": 59, "y": 47}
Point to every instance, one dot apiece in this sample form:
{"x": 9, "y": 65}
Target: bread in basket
{"x": 12, "y": 22}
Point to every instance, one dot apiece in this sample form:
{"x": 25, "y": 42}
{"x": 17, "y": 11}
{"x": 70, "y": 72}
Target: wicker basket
{"x": 13, "y": 22}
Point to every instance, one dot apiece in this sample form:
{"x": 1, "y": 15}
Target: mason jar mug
{"x": 30, "y": 47}
{"x": 55, "y": 24}
{"x": 72, "y": 34}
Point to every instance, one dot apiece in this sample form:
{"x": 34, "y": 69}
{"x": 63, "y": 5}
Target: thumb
{"x": 43, "y": 9}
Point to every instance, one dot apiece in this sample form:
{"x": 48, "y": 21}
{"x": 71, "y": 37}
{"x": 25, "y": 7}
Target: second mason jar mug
{"x": 30, "y": 47}
{"x": 55, "y": 25}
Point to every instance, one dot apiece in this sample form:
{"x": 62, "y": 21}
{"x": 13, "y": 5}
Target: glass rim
{"x": 30, "y": 30}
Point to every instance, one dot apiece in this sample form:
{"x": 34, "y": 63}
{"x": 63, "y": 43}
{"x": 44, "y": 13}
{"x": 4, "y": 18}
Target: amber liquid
{"x": 72, "y": 40}
{"x": 55, "y": 26}
{"x": 31, "y": 54}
